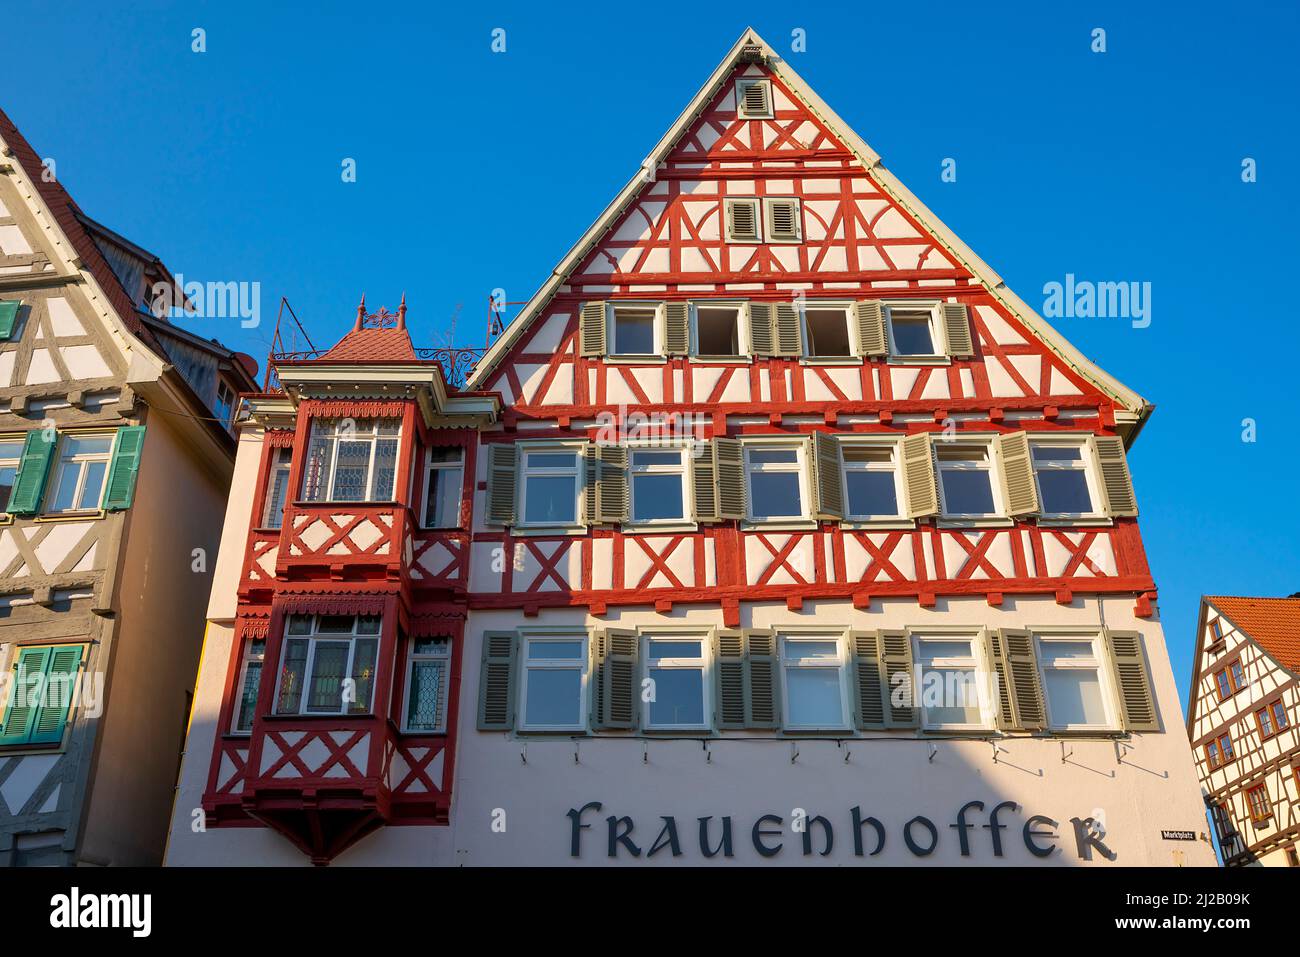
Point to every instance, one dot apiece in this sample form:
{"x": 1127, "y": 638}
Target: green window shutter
{"x": 729, "y": 471}
{"x": 677, "y": 328}
{"x": 33, "y": 468}
{"x": 1020, "y": 688}
{"x": 787, "y": 339}
{"x": 620, "y": 692}
{"x": 606, "y": 493}
{"x": 918, "y": 476}
{"x": 704, "y": 478}
{"x": 762, "y": 681}
{"x": 871, "y": 327}
{"x": 9, "y": 317}
{"x": 760, "y": 328}
{"x": 729, "y": 680}
{"x": 60, "y": 676}
{"x": 119, "y": 490}
{"x": 1019, "y": 491}
{"x": 896, "y": 655}
{"x": 1132, "y": 681}
{"x": 496, "y": 688}
{"x": 869, "y": 690}
{"x": 1116, "y": 483}
{"x": 24, "y": 695}
{"x": 501, "y": 484}
{"x": 591, "y": 329}
{"x": 827, "y": 482}
{"x": 956, "y": 328}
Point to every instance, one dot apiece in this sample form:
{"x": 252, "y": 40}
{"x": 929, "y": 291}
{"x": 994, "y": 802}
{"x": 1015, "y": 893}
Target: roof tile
{"x": 1274, "y": 623}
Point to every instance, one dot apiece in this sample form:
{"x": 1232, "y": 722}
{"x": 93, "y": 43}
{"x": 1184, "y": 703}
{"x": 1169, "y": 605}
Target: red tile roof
{"x": 374, "y": 345}
{"x": 1274, "y": 623}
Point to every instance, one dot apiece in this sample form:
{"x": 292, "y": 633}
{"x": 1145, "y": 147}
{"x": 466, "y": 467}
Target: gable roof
{"x": 750, "y": 47}
{"x": 1273, "y": 623}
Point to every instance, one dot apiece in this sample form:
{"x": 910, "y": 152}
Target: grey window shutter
{"x": 677, "y": 328}
{"x": 869, "y": 690}
{"x": 762, "y": 680}
{"x": 704, "y": 477}
{"x": 788, "y": 341}
{"x": 956, "y": 329}
{"x": 596, "y": 673}
{"x": 1020, "y": 689}
{"x": 591, "y": 329}
{"x": 1133, "y": 681}
{"x": 496, "y": 689}
{"x": 760, "y": 328}
{"x": 918, "y": 475}
{"x": 896, "y": 655}
{"x": 1116, "y": 483}
{"x": 729, "y": 470}
{"x": 620, "y": 690}
{"x": 782, "y": 219}
{"x": 1019, "y": 490}
{"x": 501, "y": 484}
{"x": 742, "y": 220}
{"x": 997, "y": 663}
{"x": 826, "y": 476}
{"x": 871, "y": 327}
{"x": 606, "y": 492}
{"x": 729, "y": 679}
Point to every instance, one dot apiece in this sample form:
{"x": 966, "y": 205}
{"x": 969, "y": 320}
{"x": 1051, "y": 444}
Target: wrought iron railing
{"x": 457, "y": 363}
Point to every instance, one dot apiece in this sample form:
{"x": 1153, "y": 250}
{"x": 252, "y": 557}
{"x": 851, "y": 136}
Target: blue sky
{"x": 478, "y": 170}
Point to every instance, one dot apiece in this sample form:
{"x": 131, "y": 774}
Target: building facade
{"x": 1245, "y": 704}
{"x": 116, "y": 449}
{"x": 774, "y": 528}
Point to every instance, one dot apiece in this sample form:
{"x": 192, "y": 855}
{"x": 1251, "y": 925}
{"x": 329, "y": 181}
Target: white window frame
{"x": 14, "y": 461}
{"x": 251, "y": 656}
{"x": 743, "y": 345}
{"x": 412, "y": 658}
{"x": 938, "y": 335}
{"x": 703, "y": 664}
{"x": 281, "y": 462}
{"x": 731, "y": 238}
{"x": 81, "y": 461}
{"x": 224, "y": 410}
{"x": 373, "y": 437}
{"x": 577, "y": 448}
{"x": 975, "y": 663}
{"x": 854, "y": 356}
{"x": 800, "y": 466}
{"x": 430, "y": 466}
{"x": 744, "y": 83}
{"x": 682, "y": 469}
{"x": 840, "y": 663}
{"x": 1087, "y": 464}
{"x": 1099, "y": 661}
{"x": 999, "y": 514}
{"x": 893, "y": 446}
{"x": 528, "y": 664}
{"x": 657, "y": 327}
{"x": 768, "y": 229}
{"x": 312, "y": 638}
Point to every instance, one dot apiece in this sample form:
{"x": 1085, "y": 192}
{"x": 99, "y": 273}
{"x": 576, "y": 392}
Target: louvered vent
{"x": 742, "y": 220}
{"x": 783, "y": 219}
{"x": 755, "y": 99}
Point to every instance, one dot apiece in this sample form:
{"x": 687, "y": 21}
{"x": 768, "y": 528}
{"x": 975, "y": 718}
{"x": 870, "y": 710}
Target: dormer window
{"x": 754, "y": 99}
{"x": 224, "y": 410}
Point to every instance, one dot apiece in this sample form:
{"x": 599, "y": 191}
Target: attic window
{"x": 754, "y": 99}
{"x": 782, "y": 220}
{"x": 742, "y": 220}
{"x": 717, "y": 330}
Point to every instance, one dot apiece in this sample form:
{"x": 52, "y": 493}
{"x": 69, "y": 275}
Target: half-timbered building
{"x": 1242, "y": 717}
{"x": 784, "y": 521}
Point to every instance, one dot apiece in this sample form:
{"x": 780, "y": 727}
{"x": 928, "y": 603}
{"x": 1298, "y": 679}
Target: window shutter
{"x": 1019, "y": 490}
{"x": 33, "y": 467}
{"x": 754, "y": 99}
{"x": 760, "y": 328}
{"x": 729, "y": 471}
{"x": 918, "y": 475}
{"x": 52, "y": 713}
{"x": 20, "y": 714}
{"x": 596, "y": 671}
{"x": 119, "y": 490}
{"x": 496, "y": 688}
{"x": 787, "y": 330}
{"x": 826, "y": 475}
{"x": 606, "y": 493}
{"x": 591, "y": 329}
{"x": 997, "y": 664}
{"x": 677, "y": 328}
{"x": 871, "y": 327}
{"x": 742, "y": 220}
{"x": 501, "y": 484}
{"x": 9, "y": 317}
{"x": 1116, "y": 483}
{"x": 704, "y": 477}
{"x": 762, "y": 677}
{"x": 729, "y": 679}
{"x": 896, "y": 654}
{"x": 869, "y": 690}
{"x": 956, "y": 329}
{"x": 1132, "y": 681}
{"x": 620, "y": 691}
{"x": 1020, "y": 689}
{"x": 783, "y": 220}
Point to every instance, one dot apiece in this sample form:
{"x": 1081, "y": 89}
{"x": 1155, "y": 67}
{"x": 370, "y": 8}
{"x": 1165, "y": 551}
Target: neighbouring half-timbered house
{"x": 1242, "y": 718}
{"x": 798, "y": 538}
{"x": 116, "y": 449}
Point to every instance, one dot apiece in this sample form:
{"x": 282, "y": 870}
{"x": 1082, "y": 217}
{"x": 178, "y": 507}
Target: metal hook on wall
{"x": 1066, "y": 755}
{"x": 934, "y": 750}
{"x": 794, "y": 751}
{"x": 575, "y": 751}
{"x": 523, "y": 752}
{"x": 645, "y": 752}
{"x": 708, "y": 755}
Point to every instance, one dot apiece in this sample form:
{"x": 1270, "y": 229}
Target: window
{"x": 551, "y": 481}
{"x": 717, "y": 330}
{"x": 1072, "y": 681}
{"x": 1219, "y": 751}
{"x": 1260, "y": 808}
{"x": 1216, "y": 629}
{"x": 1271, "y": 719}
{"x": 913, "y": 331}
{"x": 826, "y": 331}
{"x": 40, "y": 695}
{"x": 443, "y": 483}
{"x": 947, "y": 681}
{"x": 742, "y": 220}
{"x": 677, "y": 668}
{"x": 658, "y": 484}
{"x": 351, "y": 460}
{"x": 1064, "y": 479}
{"x": 774, "y": 475}
{"x": 277, "y": 488}
{"x": 782, "y": 220}
{"x": 224, "y": 410}
{"x": 10, "y": 457}
{"x": 813, "y": 673}
{"x": 632, "y": 329}
{"x": 871, "y": 477}
{"x": 426, "y": 686}
{"x": 328, "y": 664}
{"x": 754, "y": 99}
{"x": 77, "y": 483}
{"x": 250, "y": 678}
{"x": 966, "y": 486}
{"x": 555, "y": 683}
{"x": 1229, "y": 679}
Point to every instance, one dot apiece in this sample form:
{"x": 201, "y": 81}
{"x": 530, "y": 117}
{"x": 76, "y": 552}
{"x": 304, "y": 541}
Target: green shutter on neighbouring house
{"x": 42, "y": 693}
{"x": 33, "y": 467}
{"x": 56, "y": 699}
{"x": 119, "y": 490}
{"x": 20, "y": 710}
{"x": 9, "y": 317}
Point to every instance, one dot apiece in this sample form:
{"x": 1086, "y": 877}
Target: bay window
{"x": 351, "y": 460}
{"x": 657, "y": 483}
{"x": 425, "y": 710}
{"x": 947, "y": 683}
{"x": 250, "y": 679}
{"x": 814, "y": 682}
{"x": 277, "y": 488}
{"x": 676, "y": 667}
{"x": 328, "y": 664}
{"x": 552, "y": 479}
{"x": 554, "y": 682}
{"x": 1073, "y": 683}
{"x": 443, "y": 483}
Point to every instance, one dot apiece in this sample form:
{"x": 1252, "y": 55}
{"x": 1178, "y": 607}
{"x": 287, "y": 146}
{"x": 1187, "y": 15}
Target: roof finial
{"x": 361, "y": 314}
{"x": 401, "y": 313}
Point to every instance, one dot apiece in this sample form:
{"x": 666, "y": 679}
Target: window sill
{"x": 21, "y": 750}
{"x": 894, "y": 524}
{"x": 780, "y": 525}
{"x": 553, "y": 732}
{"x": 919, "y": 360}
{"x": 1082, "y": 521}
{"x": 92, "y": 514}
{"x": 722, "y": 360}
{"x": 993, "y": 522}
{"x": 635, "y": 360}
{"x": 830, "y": 360}
{"x": 531, "y": 530}
{"x": 6, "y": 519}
{"x": 650, "y": 528}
